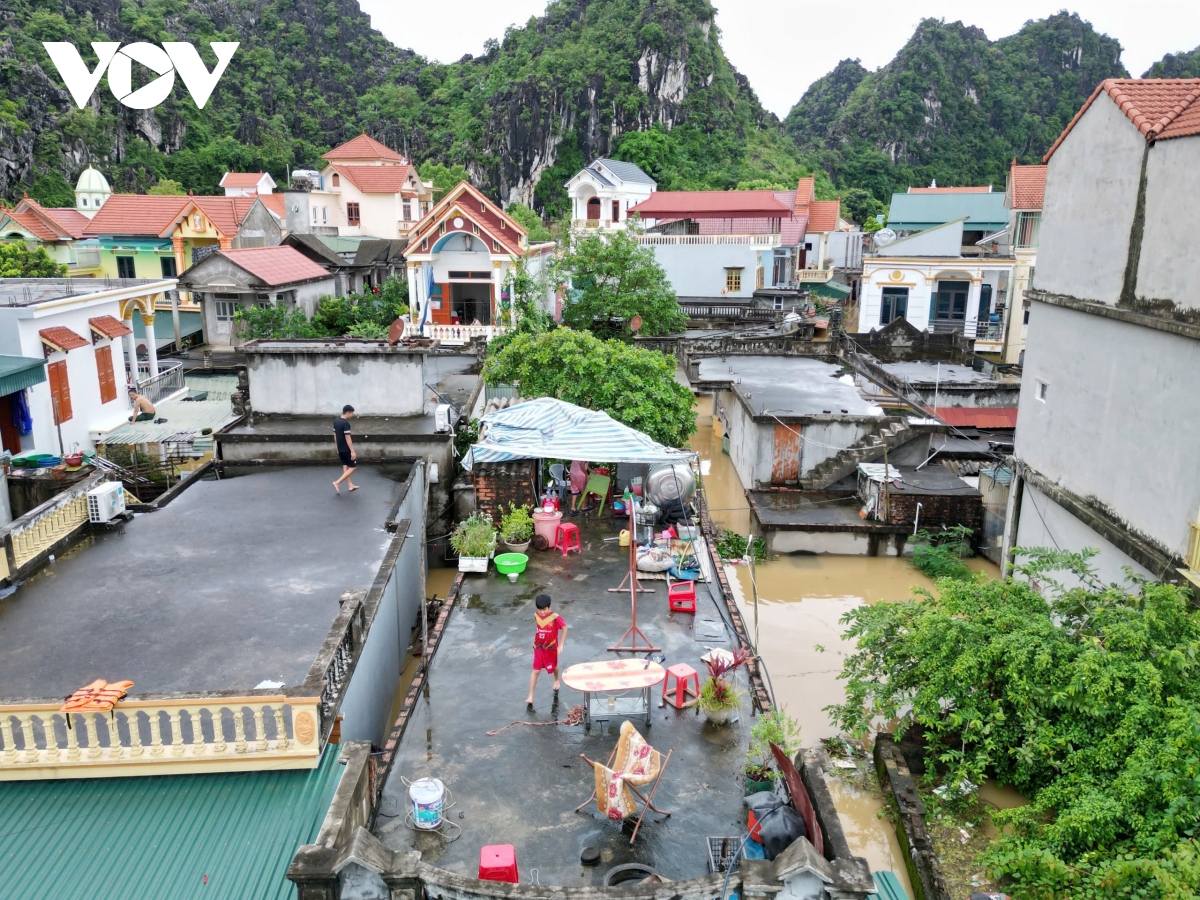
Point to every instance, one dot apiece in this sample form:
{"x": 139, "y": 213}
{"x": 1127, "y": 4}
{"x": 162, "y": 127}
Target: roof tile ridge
{"x": 1176, "y": 111}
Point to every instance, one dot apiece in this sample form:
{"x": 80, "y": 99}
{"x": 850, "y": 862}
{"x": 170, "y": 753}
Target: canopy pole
{"x": 633, "y": 632}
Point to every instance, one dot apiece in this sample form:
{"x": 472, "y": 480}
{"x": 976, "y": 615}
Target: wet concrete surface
{"x": 522, "y": 785}
{"x": 790, "y": 387}
{"x": 232, "y": 583}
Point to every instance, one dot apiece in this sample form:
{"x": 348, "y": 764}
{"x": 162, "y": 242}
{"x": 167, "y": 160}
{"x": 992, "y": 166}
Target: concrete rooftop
{"x": 930, "y": 373}
{"x": 231, "y": 583}
{"x": 521, "y": 786}
{"x": 790, "y": 387}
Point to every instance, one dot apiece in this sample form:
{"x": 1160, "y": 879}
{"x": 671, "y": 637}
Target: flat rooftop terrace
{"x": 789, "y": 387}
{"x": 924, "y": 372}
{"x": 232, "y": 583}
{"x": 521, "y": 786}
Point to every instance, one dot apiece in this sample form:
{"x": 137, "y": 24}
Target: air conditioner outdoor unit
{"x": 106, "y": 502}
{"x": 445, "y": 417}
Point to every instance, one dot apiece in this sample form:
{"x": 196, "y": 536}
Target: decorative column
{"x": 180, "y": 261}
{"x": 151, "y": 349}
{"x": 973, "y": 310}
{"x": 131, "y": 351}
{"x": 175, "y": 320}
{"x": 497, "y": 288}
{"x": 225, "y": 243}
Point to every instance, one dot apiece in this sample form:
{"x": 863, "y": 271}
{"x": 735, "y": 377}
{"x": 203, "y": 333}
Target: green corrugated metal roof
{"x": 159, "y": 836}
{"x": 20, "y": 372}
{"x": 183, "y": 415}
{"x": 888, "y": 886}
{"x": 832, "y": 289}
{"x": 916, "y": 212}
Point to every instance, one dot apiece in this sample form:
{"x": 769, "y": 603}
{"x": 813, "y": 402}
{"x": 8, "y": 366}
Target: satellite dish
{"x": 635, "y": 324}
{"x": 884, "y": 236}
{"x": 395, "y": 332}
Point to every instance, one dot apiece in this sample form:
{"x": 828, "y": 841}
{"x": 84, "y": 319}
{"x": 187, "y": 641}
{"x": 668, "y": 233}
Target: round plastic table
{"x": 614, "y": 676}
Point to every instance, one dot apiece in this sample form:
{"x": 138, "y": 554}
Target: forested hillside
{"x": 522, "y": 117}
{"x": 953, "y": 105}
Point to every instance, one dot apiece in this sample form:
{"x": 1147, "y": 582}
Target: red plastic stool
{"x": 566, "y": 538}
{"x": 498, "y": 862}
{"x": 687, "y": 684}
{"x": 681, "y": 597}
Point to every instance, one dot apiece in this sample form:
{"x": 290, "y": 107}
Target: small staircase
{"x": 870, "y": 448}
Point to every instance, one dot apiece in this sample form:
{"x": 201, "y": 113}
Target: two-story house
{"x": 58, "y": 230}
{"x": 1109, "y": 415}
{"x": 1026, "y": 190}
{"x": 603, "y": 194}
{"x": 247, "y": 184}
{"x": 366, "y": 189}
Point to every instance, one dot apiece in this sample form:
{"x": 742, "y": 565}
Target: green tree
{"x": 52, "y": 190}
{"x": 532, "y": 223}
{"x": 444, "y": 178}
{"x": 636, "y": 387}
{"x": 167, "y": 186}
{"x": 1087, "y": 700}
{"x": 860, "y": 205}
{"x": 615, "y": 276}
{"x": 18, "y": 261}
{"x": 655, "y": 152}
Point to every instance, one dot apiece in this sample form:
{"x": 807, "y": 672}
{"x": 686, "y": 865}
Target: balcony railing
{"x": 462, "y": 333}
{"x": 814, "y": 276}
{"x": 157, "y": 387}
{"x": 24, "y": 540}
{"x": 665, "y": 240}
{"x": 729, "y": 311}
{"x": 159, "y": 736}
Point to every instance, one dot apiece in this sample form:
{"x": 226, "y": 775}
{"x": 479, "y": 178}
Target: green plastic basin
{"x": 511, "y": 563}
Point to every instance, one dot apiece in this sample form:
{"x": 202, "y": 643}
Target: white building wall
{"x": 751, "y": 444}
{"x": 698, "y": 270}
{"x": 1169, "y": 267}
{"x": 1091, "y": 193}
{"x": 822, "y": 440}
{"x": 1120, "y": 418}
{"x": 310, "y": 378}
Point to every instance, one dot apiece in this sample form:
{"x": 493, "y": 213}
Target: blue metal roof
{"x": 160, "y": 836}
{"x": 916, "y": 212}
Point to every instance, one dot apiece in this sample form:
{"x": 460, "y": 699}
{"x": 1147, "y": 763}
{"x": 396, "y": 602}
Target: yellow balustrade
{"x": 160, "y": 737}
{"x": 820, "y": 276}
{"x": 45, "y": 531}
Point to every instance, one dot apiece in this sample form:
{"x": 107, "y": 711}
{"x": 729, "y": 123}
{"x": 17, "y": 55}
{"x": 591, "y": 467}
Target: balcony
{"x": 461, "y": 334}
{"x": 667, "y": 240}
{"x": 814, "y": 276}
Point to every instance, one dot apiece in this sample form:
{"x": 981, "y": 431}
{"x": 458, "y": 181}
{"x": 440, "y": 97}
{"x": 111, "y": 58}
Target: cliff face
{"x": 311, "y": 73}
{"x": 953, "y": 105}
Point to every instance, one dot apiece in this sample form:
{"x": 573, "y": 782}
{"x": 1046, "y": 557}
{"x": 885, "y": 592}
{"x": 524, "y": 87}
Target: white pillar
{"x": 972, "y": 315}
{"x": 175, "y": 320}
{"x": 131, "y": 352}
{"x": 151, "y": 349}
{"x": 498, "y": 286}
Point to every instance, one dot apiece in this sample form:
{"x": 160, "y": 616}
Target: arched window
{"x": 337, "y": 180}
{"x": 594, "y": 210}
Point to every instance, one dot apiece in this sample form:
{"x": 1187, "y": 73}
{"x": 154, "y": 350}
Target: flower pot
{"x": 720, "y": 716}
{"x": 518, "y": 547}
{"x": 473, "y": 563}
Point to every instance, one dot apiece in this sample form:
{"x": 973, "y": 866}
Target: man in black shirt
{"x": 345, "y": 447}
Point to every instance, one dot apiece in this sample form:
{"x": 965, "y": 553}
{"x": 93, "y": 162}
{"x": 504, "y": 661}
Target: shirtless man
{"x": 143, "y": 409}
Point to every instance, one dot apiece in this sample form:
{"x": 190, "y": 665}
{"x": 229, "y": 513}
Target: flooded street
{"x": 796, "y": 625}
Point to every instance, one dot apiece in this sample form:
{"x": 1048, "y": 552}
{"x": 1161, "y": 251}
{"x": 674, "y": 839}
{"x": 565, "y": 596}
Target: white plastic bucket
{"x": 427, "y": 795}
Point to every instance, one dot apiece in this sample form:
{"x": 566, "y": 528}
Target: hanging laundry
{"x": 21, "y": 418}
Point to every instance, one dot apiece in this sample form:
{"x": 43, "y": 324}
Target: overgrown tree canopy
{"x": 636, "y": 387}
{"x": 18, "y": 261}
{"x": 615, "y": 276}
{"x": 535, "y": 228}
{"x": 1087, "y": 701}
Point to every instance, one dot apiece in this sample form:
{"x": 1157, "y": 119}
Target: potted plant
{"x": 719, "y": 697}
{"x": 474, "y": 540}
{"x": 516, "y": 528}
{"x": 774, "y": 727}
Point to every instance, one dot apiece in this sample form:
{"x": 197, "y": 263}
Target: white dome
{"x": 92, "y": 182}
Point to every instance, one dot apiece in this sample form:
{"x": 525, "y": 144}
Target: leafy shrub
{"x": 475, "y": 536}
{"x": 516, "y": 525}
{"x": 731, "y": 545}
{"x": 940, "y": 555}
{"x": 774, "y": 727}
{"x": 262, "y": 322}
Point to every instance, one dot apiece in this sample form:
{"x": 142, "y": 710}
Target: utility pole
{"x": 887, "y": 499}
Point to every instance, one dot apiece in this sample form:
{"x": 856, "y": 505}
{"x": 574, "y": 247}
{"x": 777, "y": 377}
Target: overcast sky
{"x": 782, "y": 46}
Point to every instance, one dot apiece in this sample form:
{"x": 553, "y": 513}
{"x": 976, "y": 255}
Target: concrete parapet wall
{"x": 924, "y": 872}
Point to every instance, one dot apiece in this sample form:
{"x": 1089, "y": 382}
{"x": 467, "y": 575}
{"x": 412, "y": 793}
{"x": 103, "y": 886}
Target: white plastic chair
{"x": 561, "y": 486}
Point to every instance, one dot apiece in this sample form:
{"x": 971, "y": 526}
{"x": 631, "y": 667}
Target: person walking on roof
{"x": 345, "y": 448}
{"x": 548, "y": 642}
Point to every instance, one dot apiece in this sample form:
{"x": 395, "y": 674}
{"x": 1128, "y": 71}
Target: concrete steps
{"x": 869, "y": 449}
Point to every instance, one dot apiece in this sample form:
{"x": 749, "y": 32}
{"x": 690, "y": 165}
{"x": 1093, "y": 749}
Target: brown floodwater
{"x": 868, "y": 833}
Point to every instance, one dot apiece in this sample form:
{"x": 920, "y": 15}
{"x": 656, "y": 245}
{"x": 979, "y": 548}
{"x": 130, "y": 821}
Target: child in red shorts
{"x": 548, "y": 640}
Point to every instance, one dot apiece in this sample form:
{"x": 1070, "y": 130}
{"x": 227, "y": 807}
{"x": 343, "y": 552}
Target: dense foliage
{"x": 615, "y": 276}
{"x": 535, "y": 229}
{"x": 1176, "y": 65}
{"x": 18, "y": 261}
{"x": 940, "y": 555}
{"x": 636, "y": 387}
{"x": 1087, "y": 701}
{"x": 952, "y": 105}
{"x": 358, "y": 315}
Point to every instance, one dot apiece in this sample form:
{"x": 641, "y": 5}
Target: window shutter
{"x": 104, "y": 371}
{"x": 60, "y": 390}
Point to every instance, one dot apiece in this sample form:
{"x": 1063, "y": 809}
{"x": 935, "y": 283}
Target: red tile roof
{"x": 1027, "y": 186}
{"x": 1160, "y": 108}
{"x": 806, "y": 193}
{"x": 978, "y": 417}
{"x": 975, "y": 189}
{"x": 711, "y": 205}
{"x": 377, "y": 179}
{"x": 362, "y": 147}
{"x": 274, "y": 266}
{"x": 823, "y": 215}
{"x": 241, "y": 179}
{"x": 34, "y": 224}
{"x": 69, "y": 218}
{"x": 226, "y": 213}
{"x": 109, "y": 327}
{"x": 136, "y": 214}
{"x": 475, "y": 207}
{"x": 59, "y": 337}
{"x": 274, "y": 202}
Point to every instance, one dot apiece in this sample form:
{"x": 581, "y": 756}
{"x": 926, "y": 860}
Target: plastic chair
{"x": 598, "y": 485}
{"x": 566, "y": 538}
{"x": 498, "y": 862}
{"x": 558, "y": 474}
{"x": 681, "y": 596}
{"x": 687, "y": 685}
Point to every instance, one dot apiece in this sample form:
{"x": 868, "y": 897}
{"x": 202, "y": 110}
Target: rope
{"x": 574, "y": 717}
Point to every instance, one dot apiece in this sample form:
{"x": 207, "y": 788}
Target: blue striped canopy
{"x": 547, "y": 428}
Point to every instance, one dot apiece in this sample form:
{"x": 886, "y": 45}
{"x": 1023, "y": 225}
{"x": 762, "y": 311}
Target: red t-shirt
{"x": 548, "y": 627}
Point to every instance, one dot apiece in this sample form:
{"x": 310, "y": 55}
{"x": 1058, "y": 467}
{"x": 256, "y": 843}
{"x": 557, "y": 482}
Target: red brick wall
{"x": 938, "y": 510}
{"x": 498, "y": 484}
